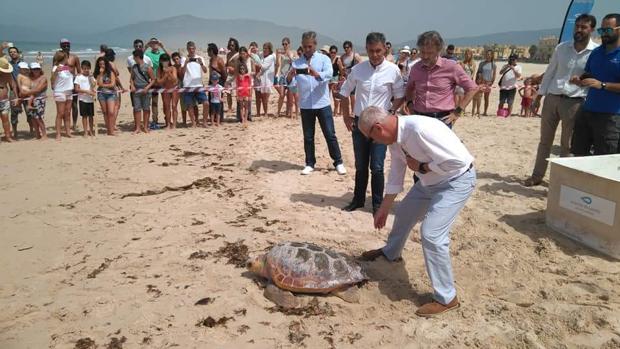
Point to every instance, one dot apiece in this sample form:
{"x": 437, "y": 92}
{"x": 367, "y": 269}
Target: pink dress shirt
{"x": 434, "y": 87}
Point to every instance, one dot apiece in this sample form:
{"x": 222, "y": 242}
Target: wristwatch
{"x": 458, "y": 111}
{"x": 421, "y": 168}
{"x": 603, "y": 86}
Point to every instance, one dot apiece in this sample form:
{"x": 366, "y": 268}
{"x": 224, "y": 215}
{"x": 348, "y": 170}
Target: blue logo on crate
{"x": 587, "y": 200}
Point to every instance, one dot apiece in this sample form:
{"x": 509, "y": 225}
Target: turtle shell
{"x": 308, "y": 268}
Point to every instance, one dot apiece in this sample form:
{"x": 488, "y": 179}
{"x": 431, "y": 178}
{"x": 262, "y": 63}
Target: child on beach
{"x": 215, "y": 96}
{"x": 527, "y": 94}
{"x": 477, "y": 101}
{"x": 142, "y": 78}
{"x": 244, "y": 92}
{"x": 85, "y": 87}
{"x": 38, "y": 89}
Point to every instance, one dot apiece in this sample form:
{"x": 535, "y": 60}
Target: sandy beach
{"x": 109, "y": 242}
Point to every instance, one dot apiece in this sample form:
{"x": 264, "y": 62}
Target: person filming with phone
{"x": 311, "y": 73}
{"x": 597, "y": 124}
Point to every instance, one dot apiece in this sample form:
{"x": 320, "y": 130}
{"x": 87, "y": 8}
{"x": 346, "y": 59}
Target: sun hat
{"x": 5, "y": 66}
{"x": 153, "y": 40}
{"x": 325, "y": 48}
{"x": 64, "y": 41}
{"x": 22, "y": 65}
{"x": 35, "y": 65}
{"x": 405, "y": 49}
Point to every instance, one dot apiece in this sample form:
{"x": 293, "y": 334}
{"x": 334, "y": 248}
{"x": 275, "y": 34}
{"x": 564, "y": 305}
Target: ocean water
{"x": 83, "y": 51}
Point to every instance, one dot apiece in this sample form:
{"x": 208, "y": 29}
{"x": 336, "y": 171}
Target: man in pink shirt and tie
{"x": 432, "y": 81}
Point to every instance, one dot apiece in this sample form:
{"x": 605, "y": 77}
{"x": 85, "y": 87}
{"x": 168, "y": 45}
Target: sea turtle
{"x": 303, "y": 267}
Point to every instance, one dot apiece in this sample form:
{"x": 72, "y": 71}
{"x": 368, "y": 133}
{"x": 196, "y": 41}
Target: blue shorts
{"x": 105, "y": 96}
{"x": 198, "y": 97}
{"x": 215, "y": 108}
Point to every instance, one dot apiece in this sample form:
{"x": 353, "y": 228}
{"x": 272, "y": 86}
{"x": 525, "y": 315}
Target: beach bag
{"x": 502, "y": 111}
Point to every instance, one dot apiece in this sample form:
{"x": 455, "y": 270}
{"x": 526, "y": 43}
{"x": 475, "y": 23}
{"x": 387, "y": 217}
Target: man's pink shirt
{"x": 434, "y": 87}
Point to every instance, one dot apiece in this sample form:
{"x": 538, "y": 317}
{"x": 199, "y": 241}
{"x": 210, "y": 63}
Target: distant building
{"x": 544, "y": 49}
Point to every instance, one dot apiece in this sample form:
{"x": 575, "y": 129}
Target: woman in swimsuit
{"x": 232, "y": 57}
{"x": 217, "y": 65}
{"x": 284, "y": 59}
{"x": 349, "y": 59}
{"x": 468, "y": 65}
{"x": 106, "y": 93}
{"x": 111, "y": 56}
{"x": 336, "y": 81}
{"x": 176, "y": 95}
{"x": 488, "y": 70}
{"x": 167, "y": 78}
{"x": 6, "y": 82}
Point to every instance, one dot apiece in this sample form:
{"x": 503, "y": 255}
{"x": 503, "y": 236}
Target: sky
{"x": 400, "y": 20}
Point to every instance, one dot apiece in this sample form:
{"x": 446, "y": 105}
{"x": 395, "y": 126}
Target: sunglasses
{"x": 334, "y": 52}
{"x": 285, "y": 44}
{"x": 603, "y": 31}
{"x": 347, "y": 47}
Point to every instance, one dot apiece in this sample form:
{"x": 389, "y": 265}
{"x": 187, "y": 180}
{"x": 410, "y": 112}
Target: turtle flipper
{"x": 280, "y": 297}
{"x": 349, "y": 294}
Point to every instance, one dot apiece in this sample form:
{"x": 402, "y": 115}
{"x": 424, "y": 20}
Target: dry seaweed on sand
{"x": 237, "y": 253}
{"x": 116, "y": 343}
{"x": 314, "y": 308}
{"x": 297, "y": 333}
{"x": 206, "y": 182}
{"x": 210, "y": 322}
{"x": 85, "y": 343}
{"x": 205, "y": 301}
{"x": 200, "y": 254}
{"x": 106, "y": 263}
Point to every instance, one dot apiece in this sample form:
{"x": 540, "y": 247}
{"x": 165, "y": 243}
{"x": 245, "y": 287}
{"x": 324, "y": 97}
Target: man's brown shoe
{"x": 532, "y": 181}
{"x": 372, "y": 255}
{"x": 435, "y": 308}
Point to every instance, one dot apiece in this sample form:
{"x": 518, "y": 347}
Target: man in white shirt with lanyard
{"x": 376, "y": 82}
{"x": 446, "y": 180}
{"x": 562, "y": 99}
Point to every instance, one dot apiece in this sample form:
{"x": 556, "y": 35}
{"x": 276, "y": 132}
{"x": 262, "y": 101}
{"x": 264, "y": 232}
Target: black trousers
{"x": 595, "y": 133}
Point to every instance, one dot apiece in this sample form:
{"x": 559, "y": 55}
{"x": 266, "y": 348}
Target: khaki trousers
{"x": 555, "y": 109}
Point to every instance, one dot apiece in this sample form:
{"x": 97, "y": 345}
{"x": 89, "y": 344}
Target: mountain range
{"x": 176, "y": 31}
{"x": 519, "y": 38}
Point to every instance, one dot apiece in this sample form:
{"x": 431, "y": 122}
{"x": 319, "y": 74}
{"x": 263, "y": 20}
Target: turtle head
{"x": 258, "y": 265}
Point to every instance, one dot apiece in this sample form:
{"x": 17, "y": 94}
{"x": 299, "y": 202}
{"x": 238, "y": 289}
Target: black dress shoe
{"x": 352, "y": 206}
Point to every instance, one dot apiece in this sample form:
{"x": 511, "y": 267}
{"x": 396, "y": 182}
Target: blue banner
{"x": 576, "y": 8}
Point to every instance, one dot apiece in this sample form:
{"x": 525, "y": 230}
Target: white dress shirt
{"x": 430, "y": 141}
{"x": 374, "y": 86}
{"x": 565, "y": 63}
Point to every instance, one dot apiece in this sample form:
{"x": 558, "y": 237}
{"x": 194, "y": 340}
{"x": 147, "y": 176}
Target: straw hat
{"x": 5, "y": 66}
{"x": 325, "y": 48}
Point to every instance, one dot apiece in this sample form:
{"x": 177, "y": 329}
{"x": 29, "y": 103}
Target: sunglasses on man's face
{"x": 347, "y": 47}
{"x": 333, "y": 52}
{"x": 603, "y": 31}
{"x": 285, "y": 44}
